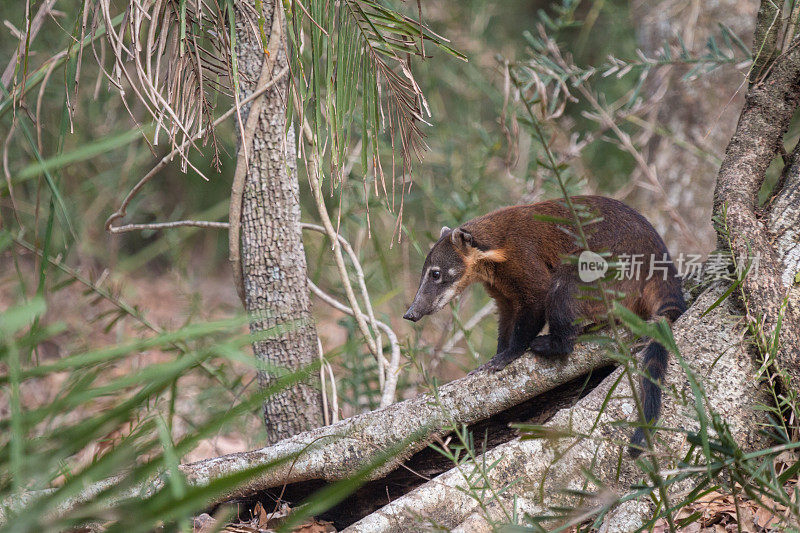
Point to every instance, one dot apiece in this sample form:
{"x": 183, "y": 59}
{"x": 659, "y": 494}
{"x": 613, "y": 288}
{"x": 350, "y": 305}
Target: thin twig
{"x": 330, "y": 414}
{"x": 174, "y": 224}
{"x": 476, "y": 319}
{"x": 313, "y": 168}
{"x": 334, "y": 394}
{"x": 387, "y": 396}
{"x": 323, "y": 386}
{"x": 382, "y": 365}
{"x": 624, "y": 138}
{"x": 39, "y": 98}
{"x": 36, "y": 25}
{"x": 7, "y": 171}
{"x": 390, "y": 368}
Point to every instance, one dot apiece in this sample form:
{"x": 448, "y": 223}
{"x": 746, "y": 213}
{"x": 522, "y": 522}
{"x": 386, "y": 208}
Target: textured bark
{"x": 769, "y": 108}
{"x": 338, "y": 451}
{"x": 784, "y": 214}
{"x": 273, "y": 258}
{"x": 700, "y": 111}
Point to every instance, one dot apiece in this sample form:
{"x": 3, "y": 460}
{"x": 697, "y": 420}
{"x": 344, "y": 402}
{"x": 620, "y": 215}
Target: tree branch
{"x": 123, "y": 208}
{"x": 536, "y": 471}
{"x": 335, "y": 452}
{"x": 769, "y": 107}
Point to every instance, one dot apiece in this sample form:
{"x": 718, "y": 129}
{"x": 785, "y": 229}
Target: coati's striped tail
{"x": 654, "y": 362}
{"x": 655, "y": 366}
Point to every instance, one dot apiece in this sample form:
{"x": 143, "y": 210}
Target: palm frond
{"x": 173, "y": 57}
{"x": 352, "y": 58}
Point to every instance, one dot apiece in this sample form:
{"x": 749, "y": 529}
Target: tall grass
{"x": 132, "y": 481}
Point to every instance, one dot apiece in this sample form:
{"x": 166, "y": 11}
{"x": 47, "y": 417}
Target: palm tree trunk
{"x": 272, "y": 256}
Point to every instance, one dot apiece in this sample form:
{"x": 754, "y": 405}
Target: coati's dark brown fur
{"x": 518, "y": 253}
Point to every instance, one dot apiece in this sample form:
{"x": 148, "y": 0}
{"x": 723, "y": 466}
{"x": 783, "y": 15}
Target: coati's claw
{"x": 495, "y": 364}
{"x": 477, "y": 370}
{"x": 485, "y": 367}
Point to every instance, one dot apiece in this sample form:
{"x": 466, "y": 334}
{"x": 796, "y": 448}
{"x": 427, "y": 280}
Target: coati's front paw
{"x": 496, "y": 363}
{"x": 549, "y": 345}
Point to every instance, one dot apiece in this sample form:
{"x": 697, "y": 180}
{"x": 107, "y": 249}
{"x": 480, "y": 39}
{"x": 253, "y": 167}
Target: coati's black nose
{"x": 411, "y": 315}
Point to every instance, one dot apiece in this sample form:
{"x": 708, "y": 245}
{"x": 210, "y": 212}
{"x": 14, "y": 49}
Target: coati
{"x": 520, "y": 255}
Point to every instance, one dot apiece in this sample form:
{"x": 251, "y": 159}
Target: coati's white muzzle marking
{"x": 444, "y": 298}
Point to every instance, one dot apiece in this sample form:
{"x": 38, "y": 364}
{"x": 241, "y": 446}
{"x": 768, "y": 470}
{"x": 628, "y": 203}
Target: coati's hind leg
{"x": 516, "y": 330}
{"x": 560, "y": 314}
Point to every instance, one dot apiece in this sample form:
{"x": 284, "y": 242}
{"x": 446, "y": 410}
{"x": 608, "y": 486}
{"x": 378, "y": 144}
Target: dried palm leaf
{"x": 175, "y": 56}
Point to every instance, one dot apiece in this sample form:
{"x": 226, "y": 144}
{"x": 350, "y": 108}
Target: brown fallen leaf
{"x": 260, "y": 514}
{"x": 315, "y": 526}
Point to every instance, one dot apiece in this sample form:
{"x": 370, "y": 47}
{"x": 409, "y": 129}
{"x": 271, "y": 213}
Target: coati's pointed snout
{"x": 411, "y": 315}
{"x": 420, "y": 307}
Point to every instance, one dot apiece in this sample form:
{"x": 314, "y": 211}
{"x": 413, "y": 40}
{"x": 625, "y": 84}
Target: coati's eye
{"x": 435, "y": 274}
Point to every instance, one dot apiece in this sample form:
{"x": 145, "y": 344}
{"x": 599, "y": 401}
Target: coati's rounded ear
{"x": 461, "y": 238}
{"x": 445, "y": 229}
